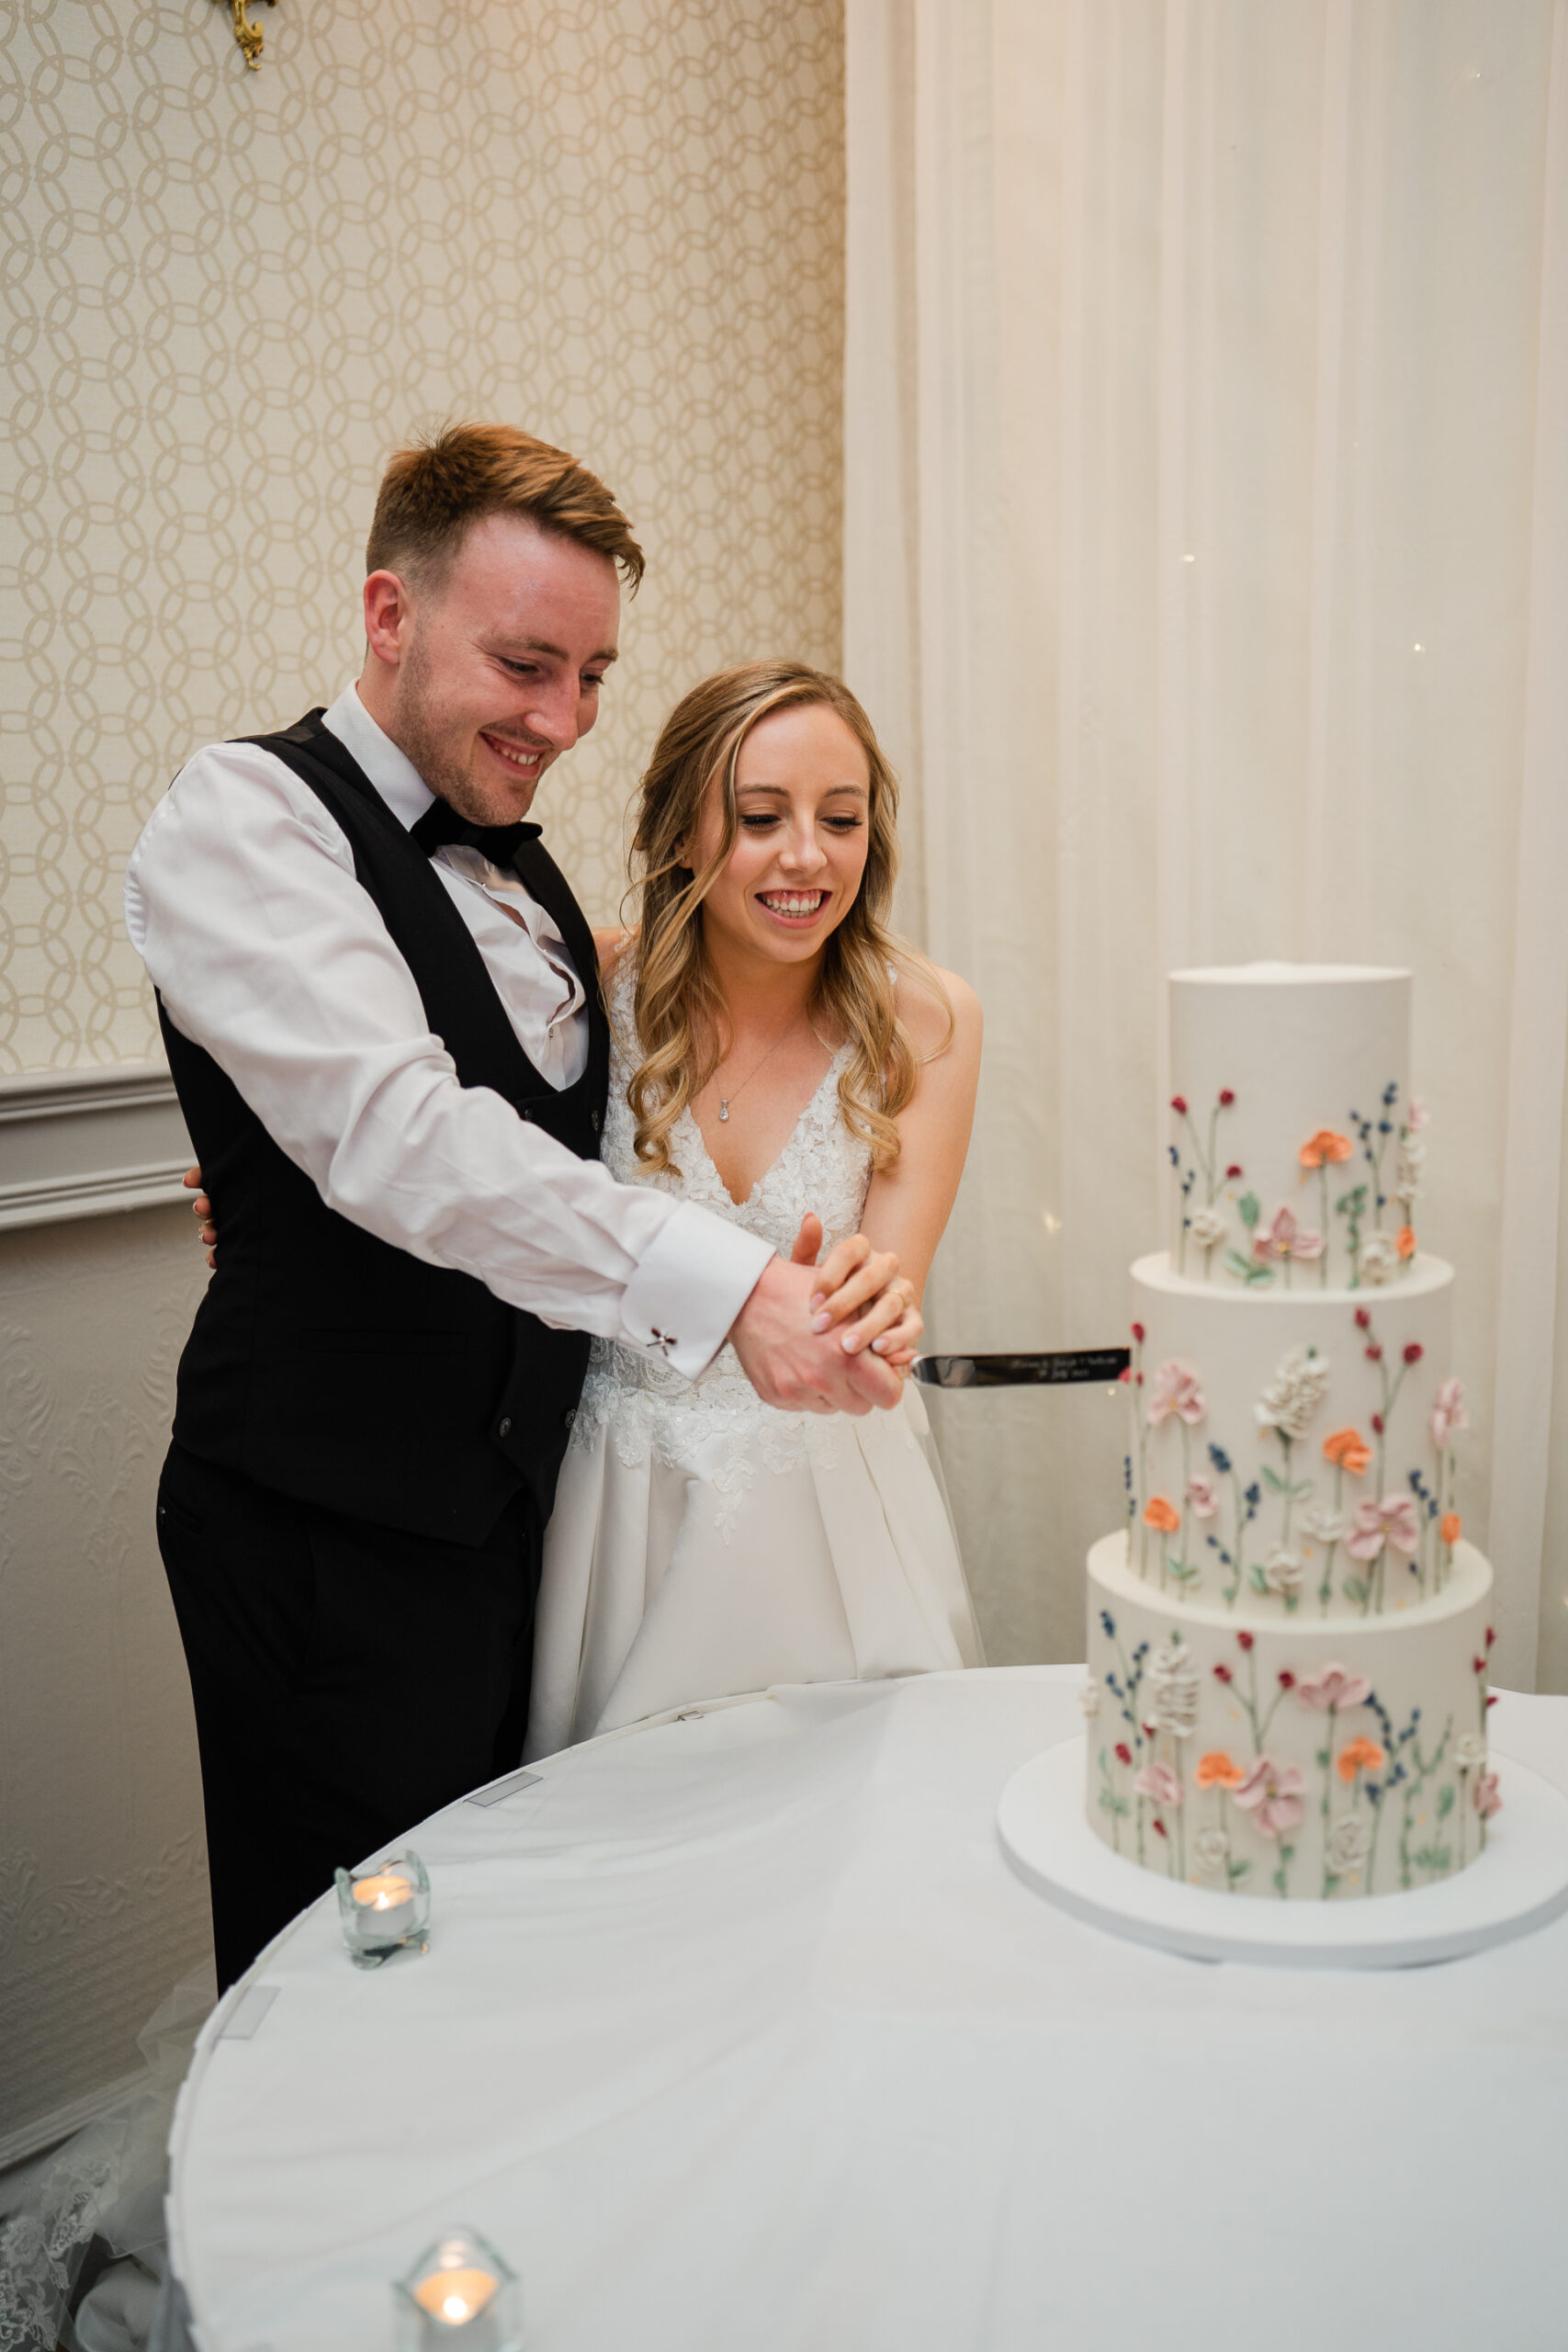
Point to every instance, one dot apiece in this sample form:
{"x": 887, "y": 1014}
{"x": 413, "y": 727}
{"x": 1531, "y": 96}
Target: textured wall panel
{"x": 228, "y": 295}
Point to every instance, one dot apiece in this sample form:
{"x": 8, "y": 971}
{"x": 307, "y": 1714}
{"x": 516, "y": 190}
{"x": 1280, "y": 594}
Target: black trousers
{"x": 348, "y": 1680}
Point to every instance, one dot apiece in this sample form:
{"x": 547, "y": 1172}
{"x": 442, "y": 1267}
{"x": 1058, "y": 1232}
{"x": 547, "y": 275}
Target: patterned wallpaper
{"x": 228, "y": 295}
{"x": 618, "y": 222}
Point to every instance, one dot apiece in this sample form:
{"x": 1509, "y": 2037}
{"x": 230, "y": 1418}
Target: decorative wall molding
{"x": 84, "y": 1142}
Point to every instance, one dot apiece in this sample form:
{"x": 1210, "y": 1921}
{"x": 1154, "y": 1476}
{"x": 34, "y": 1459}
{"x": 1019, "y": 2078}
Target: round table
{"x": 735, "y": 2030}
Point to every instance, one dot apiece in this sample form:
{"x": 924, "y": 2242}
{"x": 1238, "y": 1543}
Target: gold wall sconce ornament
{"x": 249, "y": 36}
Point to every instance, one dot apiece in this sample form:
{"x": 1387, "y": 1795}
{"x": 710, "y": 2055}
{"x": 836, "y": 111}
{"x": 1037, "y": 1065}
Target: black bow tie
{"x": 500, "y": 843}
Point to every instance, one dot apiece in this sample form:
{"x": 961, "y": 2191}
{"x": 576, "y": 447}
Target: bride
{"x": 781, "y": 1058}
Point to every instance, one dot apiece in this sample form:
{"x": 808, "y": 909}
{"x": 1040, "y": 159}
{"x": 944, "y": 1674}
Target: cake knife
{"x": 1059, "y": 1369}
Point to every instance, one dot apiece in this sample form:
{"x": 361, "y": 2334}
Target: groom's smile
{"x": 485, "y": 675}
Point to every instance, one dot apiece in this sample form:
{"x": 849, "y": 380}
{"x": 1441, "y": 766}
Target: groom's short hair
{"x": 433, "y": 491}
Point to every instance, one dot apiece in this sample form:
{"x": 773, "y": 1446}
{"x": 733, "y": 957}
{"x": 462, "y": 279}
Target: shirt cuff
{"x": 689, "y": 1286}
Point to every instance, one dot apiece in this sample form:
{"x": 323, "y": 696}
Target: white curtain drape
{"x": 1207, "y": 574}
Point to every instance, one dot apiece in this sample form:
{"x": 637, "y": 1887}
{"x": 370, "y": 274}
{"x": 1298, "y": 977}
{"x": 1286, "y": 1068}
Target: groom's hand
{"x": 802, "y": 1370}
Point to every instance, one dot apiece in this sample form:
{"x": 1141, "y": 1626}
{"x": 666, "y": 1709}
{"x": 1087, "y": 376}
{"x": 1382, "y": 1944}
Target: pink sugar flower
{"x": 1392, "y": 1521}
{"x": 1488, "y": 1795}
{"x": 1334, "y": 1686}
{"x": 1158, "y": 1782}
{"x": 1202, "y": 1496}
{"x": 1272, "y": 1793}
{"x": 1285, "y": 1238}
{"x": 1178, "y": 1391}
{"x": 1448, "y": 1413}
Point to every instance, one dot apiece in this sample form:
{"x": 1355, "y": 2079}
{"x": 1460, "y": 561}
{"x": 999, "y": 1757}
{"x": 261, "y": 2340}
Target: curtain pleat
{"x": 1206, "y": 568}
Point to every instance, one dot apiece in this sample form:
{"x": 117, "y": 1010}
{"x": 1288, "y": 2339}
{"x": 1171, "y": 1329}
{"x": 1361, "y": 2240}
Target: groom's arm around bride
{"x": 381, "y": 1010}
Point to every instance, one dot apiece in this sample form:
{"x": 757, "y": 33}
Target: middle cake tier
{"x": 1293, "y": 1453}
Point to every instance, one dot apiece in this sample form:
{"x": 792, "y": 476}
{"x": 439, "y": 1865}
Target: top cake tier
{"x": 1296, "y": 1147}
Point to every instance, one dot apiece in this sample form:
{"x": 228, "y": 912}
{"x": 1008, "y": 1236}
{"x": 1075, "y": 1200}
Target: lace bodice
{"x": 648, "y": 1407}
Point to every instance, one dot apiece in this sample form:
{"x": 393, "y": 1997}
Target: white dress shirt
{"x": 242, "y": 900}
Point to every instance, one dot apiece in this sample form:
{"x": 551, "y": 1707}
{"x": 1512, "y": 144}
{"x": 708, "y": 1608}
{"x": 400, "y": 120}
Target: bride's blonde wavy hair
{"x": 680, "y": 1010}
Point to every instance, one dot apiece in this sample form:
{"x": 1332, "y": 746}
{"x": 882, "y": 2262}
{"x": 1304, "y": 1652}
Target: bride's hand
{"x": 860, "y": 1281}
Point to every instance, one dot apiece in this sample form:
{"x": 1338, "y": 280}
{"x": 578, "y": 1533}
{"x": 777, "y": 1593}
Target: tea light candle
{"x": 387, "y": 1891}
{"x": 455, "y": 2296}
{"x": 461, "y": 2288}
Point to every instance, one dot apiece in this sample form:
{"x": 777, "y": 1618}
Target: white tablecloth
{"x": 738, "y": 2032}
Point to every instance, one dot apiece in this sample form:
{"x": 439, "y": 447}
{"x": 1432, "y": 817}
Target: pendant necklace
{"x": 726, "y": 1100}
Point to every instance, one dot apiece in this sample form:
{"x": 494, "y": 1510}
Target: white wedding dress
{"x": 704, "y": 1544}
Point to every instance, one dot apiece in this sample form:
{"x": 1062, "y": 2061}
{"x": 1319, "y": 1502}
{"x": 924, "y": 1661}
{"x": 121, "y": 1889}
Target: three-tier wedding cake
{"x": 1287, "y": 1691}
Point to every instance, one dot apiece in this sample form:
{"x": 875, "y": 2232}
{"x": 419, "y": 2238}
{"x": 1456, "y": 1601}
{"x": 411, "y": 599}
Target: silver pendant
{"x": 723, "y": 1107}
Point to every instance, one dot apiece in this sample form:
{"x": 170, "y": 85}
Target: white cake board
{"x": 1517, "y": 1884}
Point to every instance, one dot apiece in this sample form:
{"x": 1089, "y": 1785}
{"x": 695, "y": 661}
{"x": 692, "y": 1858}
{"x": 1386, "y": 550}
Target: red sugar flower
{"x": 1233, "y": 1171}
{"x": 1374, "y": 1354}
{"x": 1222, "y": 1673}
{"x": 1287, "y": 1680}
{"x": 1178, "y": 1104}
{"x": 1363, "y": 1320}
{"x": 1413, "y": 1353}
{"x": 1123, "y": 1753}
{"x": 1491, "y": 1636}
{"x": 1158, "y": 1827}
{"x": 1227, "y": 1096}
{"x": 1247, "y": 1640}
{"x": 1376, "y": 1424}
{"x": 1138, "y": 1333}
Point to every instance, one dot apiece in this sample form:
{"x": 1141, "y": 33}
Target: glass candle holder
{"x": 385, "y": 1910}
{"x": 459, "y": 2292}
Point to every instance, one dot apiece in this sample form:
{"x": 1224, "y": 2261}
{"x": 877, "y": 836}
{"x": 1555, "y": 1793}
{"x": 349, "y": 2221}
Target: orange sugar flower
{"x": 1349, "y": 1449}
{"x": 1158, "y": 1513}
{"x": 1359, "y": 1756}
{"x": 1218, "y": 1771}
{"x": 1451, "y": 1527}
{"x": 1405, "y": 1241}
{"x": 1321, "y": 1149}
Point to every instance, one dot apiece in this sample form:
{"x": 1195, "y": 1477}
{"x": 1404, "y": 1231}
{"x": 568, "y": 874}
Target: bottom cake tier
{"x": 1307, "y": 1761}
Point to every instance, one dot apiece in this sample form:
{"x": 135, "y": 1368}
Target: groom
{"x": 379, "y": 1002}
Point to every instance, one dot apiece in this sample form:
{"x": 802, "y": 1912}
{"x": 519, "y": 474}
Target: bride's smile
{"x": 802, "y": 798}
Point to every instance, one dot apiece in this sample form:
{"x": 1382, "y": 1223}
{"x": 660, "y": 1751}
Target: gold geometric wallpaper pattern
{"x": 229, "y": 294}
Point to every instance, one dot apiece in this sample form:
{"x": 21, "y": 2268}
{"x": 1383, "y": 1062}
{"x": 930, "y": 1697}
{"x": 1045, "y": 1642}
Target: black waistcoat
{"x": 329, "y": 1364}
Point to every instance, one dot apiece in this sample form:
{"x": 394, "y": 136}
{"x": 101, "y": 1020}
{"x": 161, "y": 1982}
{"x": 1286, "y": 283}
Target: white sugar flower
{"x": 1470, "y": 1751}
{"x": 1088, "y": 1696}
{"x": 1207, "y": 1227}
{"x": 1173, "y": 1690}
{"x": 1294, "y": 1394}
{"x": 1325, "y": 1526}
{"x": 1412, "y": 1162}
{"x": 1211, "y": 1850}
{"x": 1282, "y": 1572}
{"x": 1349, "y": 1843}
{"x": 1379, "y": 1259}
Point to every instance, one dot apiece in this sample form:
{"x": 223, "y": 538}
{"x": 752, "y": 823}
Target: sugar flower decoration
{"x": 1173, "y": 1690}
{"x": 1211, "y": 1852}
{"x": 1488, "y": 1795}
{"x": 1332, "y": 1686}
{"x": 1470, "y": 1751}
{"x": 1347, "y": 1450}
{"x": 1325, "y": 1526}
{"x": 1273, "y": 1792}
{"x": 1208, "y": 1228}
{"x": 1294, "y": 1394}
{"x": 1273, "y": 1244}
{"x": 1202, "y": 1495}
{"x": 1324, "y": 1150}
{"x": 1218, "y": 1771}
{"x": 1088, "y": 1695}
{"x": 1160, "y": 1515}
{"x": 1177, "y": 1391}
{"x": 1282, "y": 1571}
{"x": 1158, "y": 1782}
{"x": 1392, "y": 1521}
{"x": 1448, "y": 1413}
{"x": 1360, "y": 1756}
{"x": 1378, "y": 1261}
{"x": 1349, "y": 1843}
